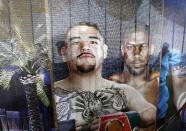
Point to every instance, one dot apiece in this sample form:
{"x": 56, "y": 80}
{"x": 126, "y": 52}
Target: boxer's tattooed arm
{"x": 63, "y": 109}
{"x": 64, "y": 104}
{"x": 119, "y": 99}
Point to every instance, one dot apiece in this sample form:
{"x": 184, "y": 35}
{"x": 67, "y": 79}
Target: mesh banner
{"x": 25, "y": 89}
{"x": 107, "y": 65}
{"x": 95, "y": 41}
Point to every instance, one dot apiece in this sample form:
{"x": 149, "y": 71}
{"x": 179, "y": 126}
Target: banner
{"x": 106, "y": 65}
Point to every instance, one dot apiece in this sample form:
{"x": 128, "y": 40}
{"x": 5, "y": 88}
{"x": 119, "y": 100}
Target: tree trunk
{"x": 33, "y": 107}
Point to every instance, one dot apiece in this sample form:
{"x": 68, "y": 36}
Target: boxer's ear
{"x": 151, "y": 47}
{"x": 63, "y": 52}
{"x": 105, "y": 48}
{"x": 122, "y": 49}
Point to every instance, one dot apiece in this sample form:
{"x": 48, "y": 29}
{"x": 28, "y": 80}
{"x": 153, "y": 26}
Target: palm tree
{"x": 31, "y": 63}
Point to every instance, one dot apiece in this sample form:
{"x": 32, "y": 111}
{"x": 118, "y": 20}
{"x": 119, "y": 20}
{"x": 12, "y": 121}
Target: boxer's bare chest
{"x": 149, "y": 89}
{"x": 86, "y": 105}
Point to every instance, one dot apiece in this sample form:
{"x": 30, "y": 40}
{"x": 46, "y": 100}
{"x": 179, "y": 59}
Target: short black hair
{"x": 60, "y": 44}
{"x": 135, "y": 28}
{"x": 90, "y": 24}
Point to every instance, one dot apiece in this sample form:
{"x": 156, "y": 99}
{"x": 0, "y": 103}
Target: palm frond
{"x": 41, "y": 93}
{"x": 5, "y": 77}
{"x": 30, "y": 60}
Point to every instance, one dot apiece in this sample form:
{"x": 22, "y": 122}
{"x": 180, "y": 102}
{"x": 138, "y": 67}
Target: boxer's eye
{"x": 75, "y": 42}
{"x": 93, "y": 42}
{"x": 144, "y": 46}
{"x": 130, "y": 47}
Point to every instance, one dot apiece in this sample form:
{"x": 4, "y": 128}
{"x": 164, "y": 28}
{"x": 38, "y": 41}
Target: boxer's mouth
{"x": 86, "y": 54}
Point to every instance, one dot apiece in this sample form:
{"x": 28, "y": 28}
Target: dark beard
{"x": 135, "y": 73}
{"x": 85, "y": 70}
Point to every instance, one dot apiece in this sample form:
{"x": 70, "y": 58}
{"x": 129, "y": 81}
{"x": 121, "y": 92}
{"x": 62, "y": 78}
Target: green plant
{"x": 15, "y": 52}
{"x": 30, "y": 61}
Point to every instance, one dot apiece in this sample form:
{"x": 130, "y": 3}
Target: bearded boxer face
{"x": 135, "y": 52}
{"x": 85, "y": 48}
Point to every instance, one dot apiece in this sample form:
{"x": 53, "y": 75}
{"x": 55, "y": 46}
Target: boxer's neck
{"x": 85, "y": 81}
